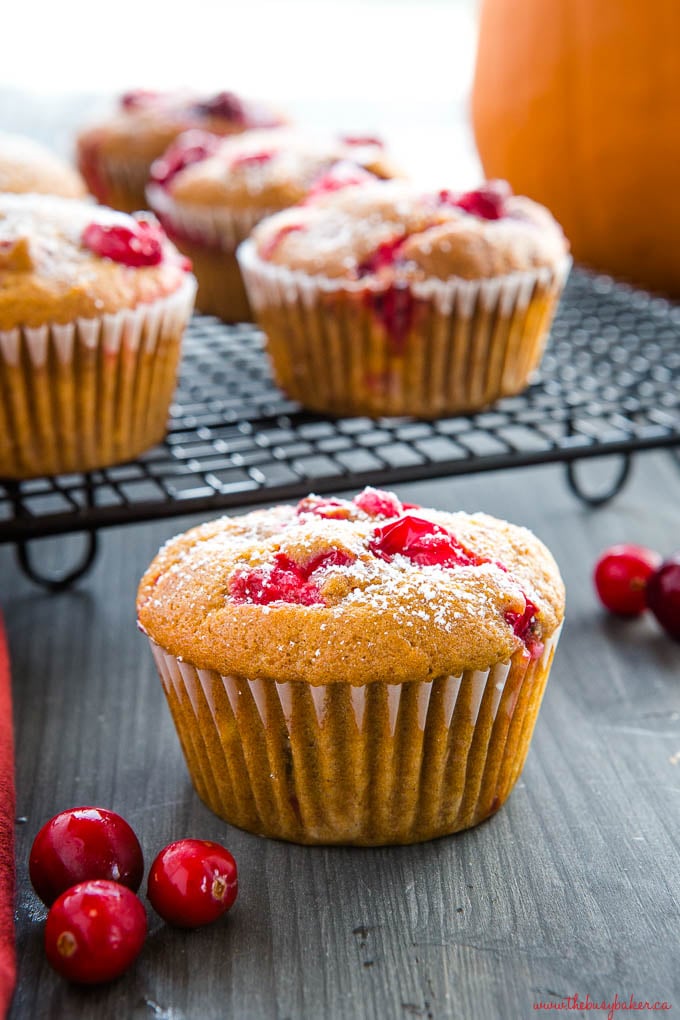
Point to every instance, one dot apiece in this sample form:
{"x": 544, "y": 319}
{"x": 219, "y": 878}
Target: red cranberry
{"x": 253, "y": 158}
{"x": 191, "y": 147}
{"x": 136, "y": 98}
{"x": 378, "y": 503}
{"x": 83, "y": 843}
{"x": 225, "y": 105}
{"x": 341, "y": 175}
{"x": 383, "y": 257}
{"x": 447, "y": 197}
{"x": 334, "y": 509}
{"x": 362, "y": 140}
{"x": 521, "y": 623}
{"x": 395, "y": 308}
{"x": 423, "y": 542}
{"x": 663, "y": 595}
{"x": 139, "y": 244}
{"x": 331, "y": 558}
{"x": 94, "y": 932}
{"x": 487, "y": 202}
{"x": 621, "y": 576}
{"x": 285, "y": 580}
{"x": 192, "y": 882}
{"x": 268, "y": 249}
{"x": 523, "y": 626}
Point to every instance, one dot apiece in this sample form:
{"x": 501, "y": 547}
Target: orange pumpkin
{"x": 577, "y": 104}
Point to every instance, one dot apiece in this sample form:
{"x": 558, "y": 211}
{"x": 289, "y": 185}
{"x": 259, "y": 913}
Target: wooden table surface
{"x": 573, "y": 888}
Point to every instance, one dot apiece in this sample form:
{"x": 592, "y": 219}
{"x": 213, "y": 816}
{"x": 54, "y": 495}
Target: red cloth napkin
{"x": 7, "y": 805}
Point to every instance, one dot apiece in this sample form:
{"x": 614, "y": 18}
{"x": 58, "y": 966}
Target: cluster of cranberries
{"x": 86, "y": 865}
{"x": 631, "y": 578}
{"x": 404, "y": 533}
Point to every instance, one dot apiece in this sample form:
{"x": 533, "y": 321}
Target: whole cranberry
{"x": 136, "y": 98}
{"x": 343, "y": 174}
{"x": 94, "y": 932}
{"x": 378, "y": 502}
{"x": 139, "y": 242}
{"x": 192, "y": 882}
{"x": 225, "y": 105}
{"x": 80, "y": 844}
{"x": 663, "y": 595}
{"x": 422, "y": 541}
{"x": 487, "y": 201}
{"x": 621, "y": 576}
{"x": 191, "y": 147}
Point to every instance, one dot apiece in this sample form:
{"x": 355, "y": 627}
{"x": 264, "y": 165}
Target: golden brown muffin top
{"x": 55, "y": 265}
{"x": 27, "y": 166}
{"x": 396, "y": 230}
{"x": 265, "y": 170}
{"x": 364, "y": 590}
{"x": 147, "y": 122}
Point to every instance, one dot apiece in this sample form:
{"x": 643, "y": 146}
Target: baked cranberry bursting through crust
{"x": 138, "y": 244}
{"x": 401, "y": 540}
{"x": 394, "y": 304}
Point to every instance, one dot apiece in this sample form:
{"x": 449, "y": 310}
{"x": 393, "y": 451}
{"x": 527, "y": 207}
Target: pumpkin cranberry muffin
{"x": 210, "y": 192}
{"x": 93, "y": 304}
{"x": 115, "y": 156}
{"x": 353, "y": 671}
{"x": 27, "y": 166}
{"x": 385, "y": 300}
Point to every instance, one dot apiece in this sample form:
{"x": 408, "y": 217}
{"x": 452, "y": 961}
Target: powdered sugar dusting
{"x": 329, "y": 544}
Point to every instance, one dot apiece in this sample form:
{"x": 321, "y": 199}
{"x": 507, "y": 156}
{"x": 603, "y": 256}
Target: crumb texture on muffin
{"x": 268, "y": 169}
{"x": 26, "y": 166}
{"x": 49, "y": 274}
{"x": 357, "y": 591}
{"x": 395, "y": 229}
{"x": 146, "y": 121}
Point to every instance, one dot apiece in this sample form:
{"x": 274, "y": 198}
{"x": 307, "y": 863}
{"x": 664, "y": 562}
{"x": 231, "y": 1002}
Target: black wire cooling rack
{"x": 609, "y": 383}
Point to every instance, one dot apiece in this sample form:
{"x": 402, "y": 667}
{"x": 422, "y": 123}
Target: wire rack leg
{"x": 62, "y": 581}
{"x": 620, "y": 479}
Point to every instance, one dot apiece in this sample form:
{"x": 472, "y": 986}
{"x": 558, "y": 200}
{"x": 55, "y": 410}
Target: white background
{"x": 401, "y": 68}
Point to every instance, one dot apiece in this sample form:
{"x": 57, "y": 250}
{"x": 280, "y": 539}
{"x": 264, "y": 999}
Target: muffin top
{"x": 361, "y": 591}
{"x": 62, "y": 259}
{"x": 265, "y": 170}
{"x": 396, "y": 231}
{"x": 146, "y": 122}
{"x": 27, "y": 166}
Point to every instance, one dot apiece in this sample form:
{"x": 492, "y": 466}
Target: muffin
{"x": 93, "y": 304}
{"x": 360, "y": 672}
{"x": 385, "y": 300}
{"x": 115, "y": 156}
{"x": 27, "y": 166}
{"x": 209, "y": 193}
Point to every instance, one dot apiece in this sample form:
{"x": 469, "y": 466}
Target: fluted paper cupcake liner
{"x": 118, "y": 182}
{"x": 212, "y": 225}
{"x": 209, "y": 235}
{"x": 92, "y": 392}
{"x": 463, "y": 343}
{"x": 366, "y": 765}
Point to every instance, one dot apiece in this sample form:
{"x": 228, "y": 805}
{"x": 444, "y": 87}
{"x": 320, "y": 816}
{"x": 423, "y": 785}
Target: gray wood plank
{"x": 573, "y": 887}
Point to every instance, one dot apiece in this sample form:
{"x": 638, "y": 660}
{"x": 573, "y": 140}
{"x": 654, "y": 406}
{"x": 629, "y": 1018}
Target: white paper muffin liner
{"x": 82, "y": 395}
{"x": 215, "y": 226}
{"x": 470, "y": 342}
{"x": 117, "y": 181}
{"x": 368, "y": 765}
